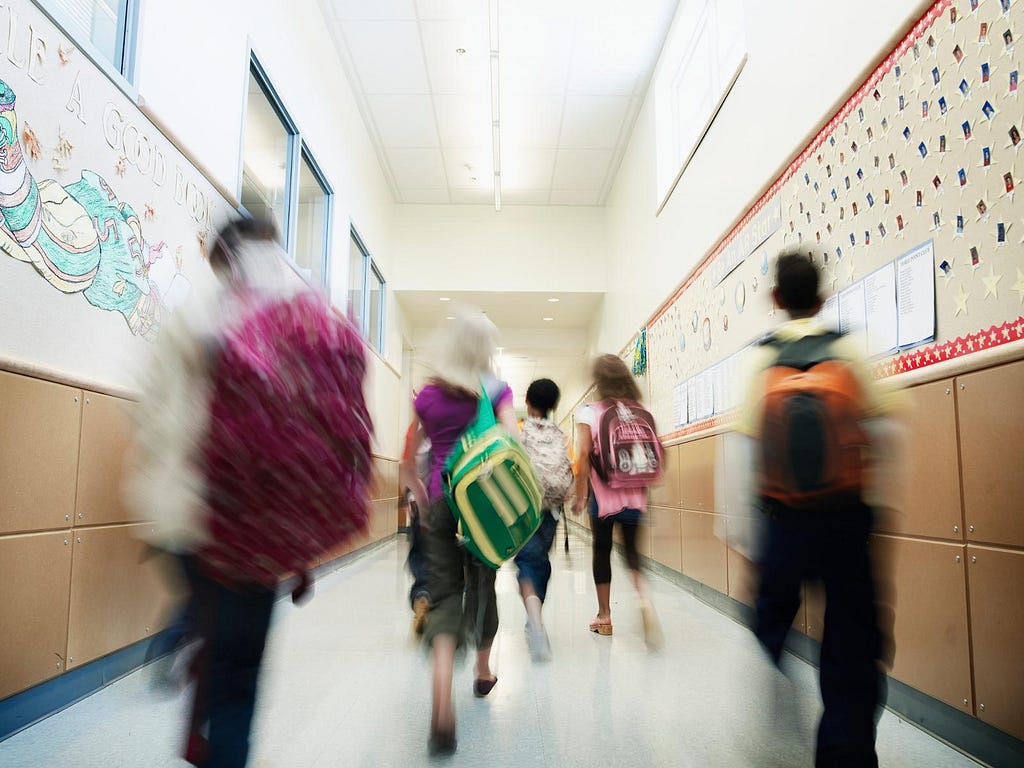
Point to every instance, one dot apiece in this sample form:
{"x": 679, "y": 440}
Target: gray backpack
{"x": 546, "y": 445}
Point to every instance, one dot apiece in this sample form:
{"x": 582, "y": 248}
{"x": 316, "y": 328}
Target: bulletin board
{"x": 907, "y": 200}
{"x": 103, "y": 222}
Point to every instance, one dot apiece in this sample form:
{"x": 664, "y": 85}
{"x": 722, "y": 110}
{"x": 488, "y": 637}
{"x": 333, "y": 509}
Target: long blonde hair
{"x": 466, "y": 352}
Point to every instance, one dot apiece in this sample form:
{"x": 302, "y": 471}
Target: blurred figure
{"x": 463, "y": 603}
{"x": 416, "y": 561}
{"x": 255, "y": 459}
{"x": 618, "y": 439}
{"x": 806, "y": 407}
{"x": 547, "y": 447}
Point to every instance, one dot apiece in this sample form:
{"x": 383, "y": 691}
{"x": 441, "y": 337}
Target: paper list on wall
{"x": 853, "y": 312}
{"x": 880, "y": 310}
{"x": 679, "y": 411}
{"x": 691, "y": 400}
{"x": 916, "y": 295}
{"x": 829, "y": 314}
{"x": 705, "y": 399}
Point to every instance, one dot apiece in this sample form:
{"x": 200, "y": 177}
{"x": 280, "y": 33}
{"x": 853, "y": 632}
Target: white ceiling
{"x": 572, "y": 78}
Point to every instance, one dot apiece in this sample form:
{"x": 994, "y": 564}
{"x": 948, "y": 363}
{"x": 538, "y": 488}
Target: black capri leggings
{"x": 602, "y": 530}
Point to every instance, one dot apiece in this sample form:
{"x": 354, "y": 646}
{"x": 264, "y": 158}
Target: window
{"x": 105, "y": 29}
{"x": 281, "y": 181}
{"x": 366, "y": 293}
{"x": 701, "y": 59}
{"x": 312, "y": 225}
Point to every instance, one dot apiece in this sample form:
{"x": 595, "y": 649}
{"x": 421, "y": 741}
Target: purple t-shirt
{"x": 444, "y": 419}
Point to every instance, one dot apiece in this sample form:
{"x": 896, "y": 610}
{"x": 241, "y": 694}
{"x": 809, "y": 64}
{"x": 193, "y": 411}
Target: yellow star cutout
{"x": 991, "y": 281}
{"x": 961, "y": 301}
{"x": 1019, "y": 286}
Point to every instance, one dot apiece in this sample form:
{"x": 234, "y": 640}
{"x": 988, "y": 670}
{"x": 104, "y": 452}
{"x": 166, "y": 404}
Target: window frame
{"x": 298, "y": 150}
{"x": 369, "y": 266}
{"x": 120, "y": 72}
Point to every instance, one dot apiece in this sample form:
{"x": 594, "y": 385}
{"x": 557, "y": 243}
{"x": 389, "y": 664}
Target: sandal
{"x": 482, "y": 687}
{"x": 601, "y": 627}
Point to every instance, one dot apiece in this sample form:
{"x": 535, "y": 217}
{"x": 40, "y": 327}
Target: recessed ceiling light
{"x": 460, "y": 51}
{"x": 553, "y": 300}
{"x": 449, "y": 317}
{"x": 548, "y": 318}
{"x": 445, "y": 298}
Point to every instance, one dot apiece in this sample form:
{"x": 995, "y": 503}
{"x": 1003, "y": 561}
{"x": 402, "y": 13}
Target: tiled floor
{"x": 344, "y": 685}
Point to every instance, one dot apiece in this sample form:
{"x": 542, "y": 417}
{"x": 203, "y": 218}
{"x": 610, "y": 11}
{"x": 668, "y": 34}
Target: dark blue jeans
{"x": 830, "y": 545}
{"x": 233, "y": 623}
{"x": 533, "y": 561}
{"x": 417, "y": 560}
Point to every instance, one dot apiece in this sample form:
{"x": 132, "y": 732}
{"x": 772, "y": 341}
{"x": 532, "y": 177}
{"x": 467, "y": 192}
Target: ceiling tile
{"x": 581, "y": 169}
{"x": 374, "y": 9}
{"x": 473, "y": 196}
{"x": 404, "y": 121}
{"x": 450, "y": 71}
{"x": 417, "y": 168}
{"x": 531, "y": 121}
{"x": 527, "y": 168}
{"x": 480, "y": 162}
{"x": 387, "y": 56}
{"x": 575, "y": 197}
{"x": 464, "y": 121}
{"x": 429, "y": 196}
{"x": 524, "y": 196}
{"x": 451, "y": 9}
{"x": 534, "y": 56}
{"x": 593, "y": 122}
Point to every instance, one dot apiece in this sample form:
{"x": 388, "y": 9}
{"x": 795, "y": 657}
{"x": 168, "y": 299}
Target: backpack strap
{"x": 803, "y": 353}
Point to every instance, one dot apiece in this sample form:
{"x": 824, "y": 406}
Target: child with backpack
{"x": 547, "y": 447}
{"x": 461, "y": 587}
{"x": 806, "y": 408}
{"x": 617, "y": 436}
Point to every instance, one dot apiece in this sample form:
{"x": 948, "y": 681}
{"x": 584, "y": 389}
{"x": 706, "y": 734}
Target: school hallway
{"x": 345, "y": 685}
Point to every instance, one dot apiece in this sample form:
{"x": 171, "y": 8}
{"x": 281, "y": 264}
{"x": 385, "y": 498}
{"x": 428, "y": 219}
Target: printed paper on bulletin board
{"x": 929, "y": 150}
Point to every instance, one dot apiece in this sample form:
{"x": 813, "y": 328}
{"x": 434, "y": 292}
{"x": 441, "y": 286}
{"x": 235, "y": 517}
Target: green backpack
{"x": 492, "y": 490}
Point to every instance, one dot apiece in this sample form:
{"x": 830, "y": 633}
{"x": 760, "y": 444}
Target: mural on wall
{"x": 81, "y": 237}
{"x": 92, "y": 196}
{"x": 923, "y": 158}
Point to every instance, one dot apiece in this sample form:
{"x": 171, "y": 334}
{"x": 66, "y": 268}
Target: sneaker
{"x": 540, "y": 646}
{"x": 420, "y": 607}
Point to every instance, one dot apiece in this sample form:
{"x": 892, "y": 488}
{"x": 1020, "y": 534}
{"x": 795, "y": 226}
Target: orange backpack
{"x": 812, "y": 442}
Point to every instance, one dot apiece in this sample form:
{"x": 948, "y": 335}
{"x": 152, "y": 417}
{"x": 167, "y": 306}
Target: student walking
{"x": 806, "y": 405}
{"x": 463, "y": 603}
{"x": 617, "y": 437}
{"x": 548, "y": 450}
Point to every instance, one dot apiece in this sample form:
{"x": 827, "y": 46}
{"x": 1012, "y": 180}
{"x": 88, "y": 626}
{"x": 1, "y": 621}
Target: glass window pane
{"x": 373, "y": 323}
{"x": 356, "y": 270}
{"x": 311, "y": 225}
{"x": 265, "y": 160}
{"x": 101, "y": 22}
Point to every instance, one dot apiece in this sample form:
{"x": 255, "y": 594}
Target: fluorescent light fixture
{"x": 449, "y": 317}
{"x": 495, "y": 92}
{"x": 553, "y": 300}
{"x": 548, "y": 319}
{"x": 444, "y": 298}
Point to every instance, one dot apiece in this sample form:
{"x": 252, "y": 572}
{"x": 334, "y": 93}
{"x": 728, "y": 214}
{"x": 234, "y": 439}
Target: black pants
{"x": 602, "y": 531}
{"x": 831, "y": 546}
{"x": 417, "y": 559}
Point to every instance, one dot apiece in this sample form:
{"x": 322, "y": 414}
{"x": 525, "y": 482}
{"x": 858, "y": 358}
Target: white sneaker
{"x": 540, "y": 646}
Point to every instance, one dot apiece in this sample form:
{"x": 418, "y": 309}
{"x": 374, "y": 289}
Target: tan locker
{"x": 930, "y": 627}
{"x": 697, "y": 474}
{"x": 106, "y": 436}
{"x": 35, "y": 570}
{"x": 39, "y": 425}
{"x": 120, "y": 591}
{"x": 931, "y": 490}
{"x": 666, "y": 493}
{"x": 742, "y": 577}
{"x": 665, "y": 537}
{"x": 996, "y": 578}
{"x": 704, "y": 555}
{"x": 991, "y": 423}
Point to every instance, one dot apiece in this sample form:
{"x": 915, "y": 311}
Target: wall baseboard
{"x": 25, "y": 709}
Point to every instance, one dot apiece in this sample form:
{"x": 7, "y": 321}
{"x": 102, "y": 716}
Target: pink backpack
{"x": 627, "y": 452}
{"x": 287, "y": 452}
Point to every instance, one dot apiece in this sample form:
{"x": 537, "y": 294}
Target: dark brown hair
{"x": 225, "y": 249}
{"x": 796, "y": 280}
{"x": 614, "y": 380}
